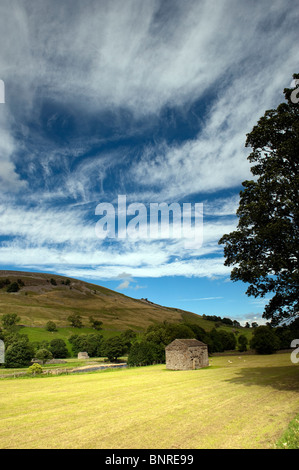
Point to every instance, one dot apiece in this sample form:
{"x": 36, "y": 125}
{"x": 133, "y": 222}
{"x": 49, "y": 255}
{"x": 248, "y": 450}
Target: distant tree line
{"x": 151, "y": 349}
{"x": 144, "y": 349}
{"x": 225, "y": 321}
{"x": 265, "y": 340}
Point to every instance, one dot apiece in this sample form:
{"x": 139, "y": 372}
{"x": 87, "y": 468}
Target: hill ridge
{"x": 46, "y": 296}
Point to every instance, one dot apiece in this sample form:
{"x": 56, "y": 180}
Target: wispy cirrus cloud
{"x": 151, "y": 99}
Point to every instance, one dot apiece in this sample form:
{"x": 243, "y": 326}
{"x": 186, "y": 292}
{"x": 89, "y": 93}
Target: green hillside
{"x": 42, "y": 297}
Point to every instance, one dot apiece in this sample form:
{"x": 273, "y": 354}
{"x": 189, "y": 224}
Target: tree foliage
{"x": 91, "y": 343}
{"x": 51, "y": 326}
{"x": 264, "y": 340}
{"x": 264, "y": 248}
{"x": 96, "y": 324}
{"x": 146, "y": 353}
{"x": 58, "y": 348}
{"x": 13, "y": 287}
{"x": 242, "y": 343}
{"x": 19, "y": 352}
{"x": 43, "y": 355}
{"x": 35, "y": 369}
{"x": 9, "y": 320}
{"x": 114, "y": 348}
{"x": 75, "y": 320}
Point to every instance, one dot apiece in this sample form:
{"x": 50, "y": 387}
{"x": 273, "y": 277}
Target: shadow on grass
{"x": 279, "y": 378}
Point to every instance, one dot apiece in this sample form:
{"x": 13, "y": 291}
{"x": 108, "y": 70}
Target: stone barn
{"x": 83, "y": 355}
{"x": 186, "y": 354}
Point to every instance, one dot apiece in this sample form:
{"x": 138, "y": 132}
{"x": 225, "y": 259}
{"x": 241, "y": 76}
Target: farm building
{"x": 186, "y": 354}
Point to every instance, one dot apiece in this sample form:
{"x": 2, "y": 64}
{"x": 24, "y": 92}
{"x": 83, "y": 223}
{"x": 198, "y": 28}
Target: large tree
{"x": 264, "y": 249}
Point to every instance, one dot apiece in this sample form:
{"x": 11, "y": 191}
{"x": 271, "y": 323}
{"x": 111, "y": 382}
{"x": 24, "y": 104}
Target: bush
{"x": 4, "y": 282}
{"x": 165, "y": 333}
{"x": 9, "y": 320}
{"x": 96, "y": 324}
{"x": 19, "y": 353}
{"x": 128, "y": 336}
{"x": 114, "y": 348}
{"x": 242, "y": 343}
{"x": 264, "y": 340}
{"x": 35, "y": 369}
{"x": 92, "y": 344}
{"x": 51, "y": 326}
{"x": 58, "y": 348}
{"x": 75, "y": 320}
{"x": 43, "y": 355}
{"x": 13, "y": 287}
{"x": 146, "y": 353}
{"x": 228, "y": 340}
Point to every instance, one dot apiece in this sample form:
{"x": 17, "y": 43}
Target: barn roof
{"x": 185, "y": 343}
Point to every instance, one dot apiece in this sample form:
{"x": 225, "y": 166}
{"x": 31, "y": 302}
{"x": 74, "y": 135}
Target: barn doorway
{"x": 195, "y": 364}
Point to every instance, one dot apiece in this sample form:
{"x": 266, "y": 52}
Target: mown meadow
{"x": 242, "y": 402}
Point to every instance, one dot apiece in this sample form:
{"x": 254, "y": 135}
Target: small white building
{"x": 83, "y": 355}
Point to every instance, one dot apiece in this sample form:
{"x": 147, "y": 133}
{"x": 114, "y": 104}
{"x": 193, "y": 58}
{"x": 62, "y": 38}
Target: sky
{"x": 148, "y": 100}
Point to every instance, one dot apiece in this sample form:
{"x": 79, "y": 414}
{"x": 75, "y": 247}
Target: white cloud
{"x": 222, "y": 206}
{"x": 61, "y": 239}
{"x": 123, "y": 285}
{"x": 9, "y": 179}
{"x": 135, "y": 56}
{"x": 216, "y": 158}
{"x": 138, "y": 56}
{"x": 132, "y": 54}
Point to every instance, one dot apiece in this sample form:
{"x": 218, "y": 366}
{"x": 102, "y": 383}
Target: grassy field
{"x": 246, "y": 403}
{"x": 290, "y": 438}
{"x": 38, "y": 334}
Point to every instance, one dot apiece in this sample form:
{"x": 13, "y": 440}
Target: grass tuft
{"x": 290, "y": 438}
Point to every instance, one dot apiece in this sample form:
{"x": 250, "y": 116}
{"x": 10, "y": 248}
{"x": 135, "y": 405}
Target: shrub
{"x": 35, "y": 369}
{"x": 9, "y": 320}
{"x": 264, "y": 340}
{"x": 58, "y": 348}
{"x": 51, "y": 326}
{"x": 146, "y": 353}
{"x": 92, "y": 344}
{"x": 19, "y": 353}
{"x": 96, "y": 324}
{"x": 128, "y": 336}
{"x": 43, "y": 355}
{"x": 114, "y": 348}
{"x": 242, "y": 343}
{"x": 4, "y": 282}
{"x": 13, "y": 287}
{"x": 75, "y": 320}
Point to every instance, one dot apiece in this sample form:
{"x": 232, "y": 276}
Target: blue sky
{"x": 151, "y": 100}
